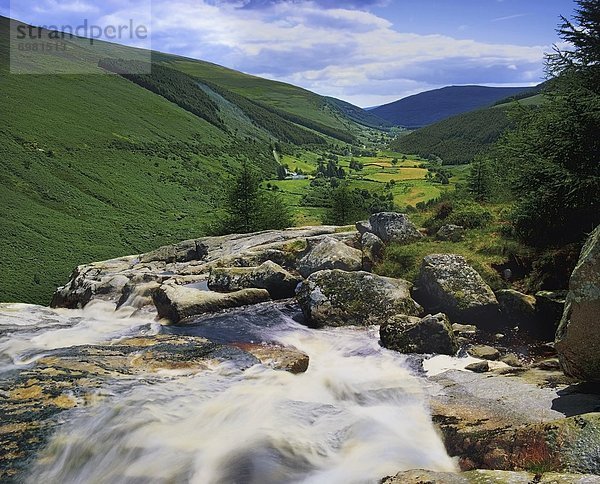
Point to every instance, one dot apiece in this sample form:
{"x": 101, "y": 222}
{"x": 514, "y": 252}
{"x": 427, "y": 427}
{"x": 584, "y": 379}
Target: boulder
{"x": 278, "y": 357}
{"x": 270, "y": 276}
{"x": 478, "y": 367}
{"x": 484, "y": 352}
{"x": 394, "y": 227}
{"x": 431, "y": 335}
{"x": 578, "y": 336}
{"x": 549, "y": 306}
{"x": 372, "y": 250}
{"x": 363, "y": 227}
{"x": 464, "y": 329}
{"x": 329, "y": 253}
{"x": 448, "y": 284}
{"x": 450, "y": 233}
{"x": 137, "y": 295}
{"x": 340, "y": 298}
{"x": 176, "y": 302}
{"x": 517, "y": 309}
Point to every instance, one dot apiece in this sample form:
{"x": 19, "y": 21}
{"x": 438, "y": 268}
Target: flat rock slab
{"x": 487, "y": 419}
{"x": 487, "y": 477}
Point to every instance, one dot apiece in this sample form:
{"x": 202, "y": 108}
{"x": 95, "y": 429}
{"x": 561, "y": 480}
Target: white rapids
{"x": 358, "y": 414}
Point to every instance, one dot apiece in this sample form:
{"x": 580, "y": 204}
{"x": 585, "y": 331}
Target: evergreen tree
{"x": 552, "y": 157}
{"x": 249, "y": 208}
{"x": 346, "y": 206}
{"x": 481, "y": 180}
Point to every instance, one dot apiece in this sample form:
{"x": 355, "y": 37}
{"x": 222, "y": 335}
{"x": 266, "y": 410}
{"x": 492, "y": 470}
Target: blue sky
{"x": 367, "y": 52}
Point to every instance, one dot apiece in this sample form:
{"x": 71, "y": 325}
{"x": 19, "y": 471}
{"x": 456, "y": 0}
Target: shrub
{"x": 470, "y": 215}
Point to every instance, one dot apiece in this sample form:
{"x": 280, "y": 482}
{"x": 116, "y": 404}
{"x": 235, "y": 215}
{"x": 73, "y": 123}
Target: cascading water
{"x": 356, "y": 415}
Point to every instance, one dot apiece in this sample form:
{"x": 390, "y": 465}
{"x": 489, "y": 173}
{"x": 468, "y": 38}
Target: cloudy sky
{"x": 367, "y": 52}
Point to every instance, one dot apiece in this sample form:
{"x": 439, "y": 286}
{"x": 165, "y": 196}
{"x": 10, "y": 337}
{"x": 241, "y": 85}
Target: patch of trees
{"x": 249, "y": 208}
{"x": 173, "y": 85}
{"x": 330, "y": 170}
{"x": 268, "y": 119}
{"x": 456, "y": 140}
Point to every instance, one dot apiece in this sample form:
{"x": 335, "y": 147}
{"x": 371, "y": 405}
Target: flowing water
{"x": 358, "y": 414}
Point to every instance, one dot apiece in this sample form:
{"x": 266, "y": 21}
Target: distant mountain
{"x": 429, "y": 107}
{"x": 458, "y": 139}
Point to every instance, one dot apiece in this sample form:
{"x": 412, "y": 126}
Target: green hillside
{"x": 96, "y": 166}
{"x": 457, "y": 140}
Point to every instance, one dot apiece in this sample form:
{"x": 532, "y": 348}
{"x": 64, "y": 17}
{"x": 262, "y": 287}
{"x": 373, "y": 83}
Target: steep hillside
{"x": 431, "y": 106}
{"x": 359, "y": 115}
{"x": 94, "y": 166}
{"x": 459, "y": 139}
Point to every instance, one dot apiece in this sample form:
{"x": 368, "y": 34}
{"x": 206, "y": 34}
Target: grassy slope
{"x": 94, "y": 166}
{"x": 280, "y": 95}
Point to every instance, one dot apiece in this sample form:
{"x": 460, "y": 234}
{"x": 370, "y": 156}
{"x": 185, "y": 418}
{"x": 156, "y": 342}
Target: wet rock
{"x": 394, "y": 227}
{"x": 270, "y": 276}
{"x": 450, "y": 233}
{"x": 448, "y": 284}
{"x": 32, "y": 398}
{"x": 512, "y": 360}
{"x": 372, "y": 250}
{"x": 478, "y": 367}
{"x": 278, "y": 357}
{"x": 517, "y": 309}
{"x": 481, "y": 476}
{"x": 484, "y": 352}
{"x": 102, "y": 280}
{"x": 176, "y": 303}
{"x": 578, "y": 336}
{"x": 340, "y": 298}
{"x": 329, "y": 253}
{"x": 429, "y": 335}
{"x": 137, "y": 295}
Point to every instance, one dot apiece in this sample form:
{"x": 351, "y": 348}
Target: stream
{"x": 358, "y": 414}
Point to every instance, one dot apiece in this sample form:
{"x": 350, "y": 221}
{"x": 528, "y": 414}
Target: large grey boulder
{"x": 176, "y": 303}
{"x": 394, "y": 227}
{"x": 578, "y": 336}
{"x": 270, "y": 276}
{"x": 340, "y": 298}
{"x": 448, "y": 284}
{"x": 483, "y": 476}
{"x": 329, "y": 253}
{"x": 432, "y": 334}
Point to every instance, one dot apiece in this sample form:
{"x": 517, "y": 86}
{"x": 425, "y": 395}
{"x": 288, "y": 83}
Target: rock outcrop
{"x": 270, "y": 276}
{"x": 394, "y": 227}
{"x": 532, "y": 419}
{"x": 176, "y": 303}
{"x": 578, "y": 336}
{"x": 431, "y": 334}
{"x": 190, "y": 262}
{"x": 339, "y": 298}
{"x": 329, "y": 253}
{"x": 448, "y": 284}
